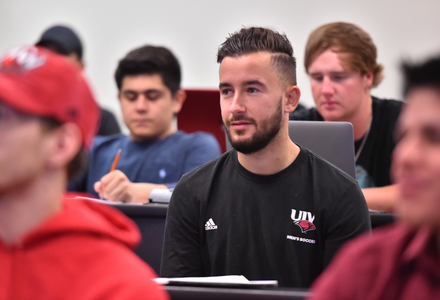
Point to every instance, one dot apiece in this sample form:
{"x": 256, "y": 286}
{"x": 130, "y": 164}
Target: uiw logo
{"x": 304, "y": 220}
{"x": 23, "y": 58}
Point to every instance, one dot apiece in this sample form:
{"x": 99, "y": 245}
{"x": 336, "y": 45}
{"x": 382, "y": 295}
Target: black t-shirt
{"x": 374, "y": 162}
{"x": 225, "y": 220}
{"x": 108, "y": 124}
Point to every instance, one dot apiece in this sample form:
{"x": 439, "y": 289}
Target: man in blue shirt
{"x": 154, "y": 155}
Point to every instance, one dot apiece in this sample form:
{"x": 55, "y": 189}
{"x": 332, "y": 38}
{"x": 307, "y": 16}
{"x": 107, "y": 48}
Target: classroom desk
{"x": 217, "y": 293}
{"x": 379, "y": 219}
{"x": 150, "y": 218}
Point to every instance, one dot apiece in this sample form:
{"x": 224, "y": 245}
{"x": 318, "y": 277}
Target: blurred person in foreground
{"x": 403, "y": 260}
{"x": 53, "y": 247}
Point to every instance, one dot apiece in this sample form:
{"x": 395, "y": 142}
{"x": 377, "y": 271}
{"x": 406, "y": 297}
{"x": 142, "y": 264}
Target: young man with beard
{"x": 401, "y": 261}
{"x": 341, "y": 61}
{"x": 268, "y": 209}
{"x": 53, "y": 247}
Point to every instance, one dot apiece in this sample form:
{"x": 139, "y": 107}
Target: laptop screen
{"x": 333, "y": 141}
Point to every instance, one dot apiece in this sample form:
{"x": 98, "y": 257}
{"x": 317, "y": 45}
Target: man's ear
{"x": 368, "y": 78}
{"x": 65, "y": 142}
{"x": 76, "y": 60}
{"x": 179, "y": 99}
{"x": 293, "y": 94}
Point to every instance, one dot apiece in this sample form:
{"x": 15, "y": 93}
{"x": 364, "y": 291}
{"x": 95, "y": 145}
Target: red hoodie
{"x": 84, "y": 252}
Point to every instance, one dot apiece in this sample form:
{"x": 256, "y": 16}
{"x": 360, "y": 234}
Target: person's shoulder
{"x": 108, "y": 124}
{"x": 386, "y": 113}
{"x": 201, "y": 173}
{"x": 99, "y": 218}
{"x": 194, "y": 136}
{"x": 324, "y": 166}
{"x": 342, "y": 188}
{"x": 371, "y": 251}
{"x": 118, "y": 234}
{"x": 106, "y": 141}
{"x": 135, "y": 284}
{"x": 384, "y": 242}
{"x": 107, "y": 112}
{"x": 389, "y": 104}
{"x": 306, "y": 114}
{"x": 194, "y": 186}
{"x": 197, "y": 139}
{"x": 369, "y": 254}
{"x": 128, "y": 260}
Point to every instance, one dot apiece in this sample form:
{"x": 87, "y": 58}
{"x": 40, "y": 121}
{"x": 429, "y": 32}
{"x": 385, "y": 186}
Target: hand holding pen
{"x": 115, "y": 186}
{"x": 116, "y": 160}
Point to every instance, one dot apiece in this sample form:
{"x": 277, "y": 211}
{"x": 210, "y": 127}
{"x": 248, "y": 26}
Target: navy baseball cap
{"x": 65, "y": 39}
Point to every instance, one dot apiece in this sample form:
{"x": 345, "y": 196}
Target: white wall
{"x": 194, "y": 29}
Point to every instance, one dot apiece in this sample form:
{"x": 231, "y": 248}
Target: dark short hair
{"x": 257, "y": 39}
{"x": 150, "y": 60}
{"x": 426, "y": 74}
{"x": 347, "y": 38}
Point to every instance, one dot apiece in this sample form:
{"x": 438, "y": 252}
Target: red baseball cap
{"x": 39, "y": 82}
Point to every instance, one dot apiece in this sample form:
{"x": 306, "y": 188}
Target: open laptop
{"x": 332, "y": 141}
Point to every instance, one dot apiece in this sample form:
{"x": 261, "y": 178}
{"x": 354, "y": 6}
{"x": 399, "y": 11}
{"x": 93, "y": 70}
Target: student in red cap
{"x": 52, "y": 247}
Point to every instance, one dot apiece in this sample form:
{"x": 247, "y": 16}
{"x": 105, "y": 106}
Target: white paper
{"x": 221, "y": 280}
{"x": 101, "y": 200}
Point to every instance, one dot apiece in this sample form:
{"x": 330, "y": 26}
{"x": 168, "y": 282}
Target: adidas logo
{"x": 210, "y": 225}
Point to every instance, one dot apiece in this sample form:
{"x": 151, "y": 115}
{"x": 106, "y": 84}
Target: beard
{"x": 265, "y": 132}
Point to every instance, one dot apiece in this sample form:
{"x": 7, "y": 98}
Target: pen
{"x": 115, "y": 161}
